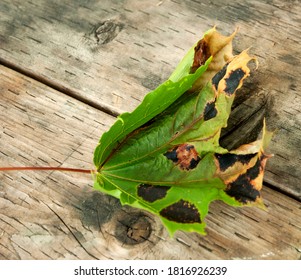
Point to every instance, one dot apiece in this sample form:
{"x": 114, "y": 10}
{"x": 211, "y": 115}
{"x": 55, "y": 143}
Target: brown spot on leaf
{"x": 152, "y": 193}
{"x": 181, "y": 212}
{"x": 232, "y": 82}
{"x": 210, "y": 111}
{"x": 184, "y": 155}
{"x": 201, "y": 54}
{"x": 227, "y": 160}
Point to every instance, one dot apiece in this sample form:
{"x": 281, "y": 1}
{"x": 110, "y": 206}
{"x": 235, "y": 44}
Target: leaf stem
{"x": 67, "y": 169}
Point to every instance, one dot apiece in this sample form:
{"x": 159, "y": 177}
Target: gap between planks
{"x": 57, "y": 86}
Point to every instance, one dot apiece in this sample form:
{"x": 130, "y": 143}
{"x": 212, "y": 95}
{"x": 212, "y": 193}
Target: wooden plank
{"x": 55, "y": 215}
{"x": 43, "y": 127}
{"x": 110, "y": 54}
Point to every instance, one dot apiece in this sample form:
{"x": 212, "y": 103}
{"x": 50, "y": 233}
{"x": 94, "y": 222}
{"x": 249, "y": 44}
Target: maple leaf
{"x": 165, "y": 156}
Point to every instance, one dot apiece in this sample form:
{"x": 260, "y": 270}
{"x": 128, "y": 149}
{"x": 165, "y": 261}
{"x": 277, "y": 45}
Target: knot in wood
{"x": 106, "y": 31}
{"x": 133, "y": 228}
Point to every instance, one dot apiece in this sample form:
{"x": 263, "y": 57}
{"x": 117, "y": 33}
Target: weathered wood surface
{"x": 110, "y": 53}
{"x": 55, "y": 215}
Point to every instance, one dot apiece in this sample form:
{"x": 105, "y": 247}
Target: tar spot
{"x": 184, "y": 155}
{"x": 255, "y": 170}
{"x": 152, "y": 193}
{"x": 193, "y": 163}
{"x": 233, "y": 81}
{"x": 210, "y": 111}
{"x": 181, "y": 212}
{"x": 201, "y": 54}
{"x": 242, "y": 189}
{"x": 218, "y": 76}
{"x": 227, "y": 160}
{"x": 172, "y": 155}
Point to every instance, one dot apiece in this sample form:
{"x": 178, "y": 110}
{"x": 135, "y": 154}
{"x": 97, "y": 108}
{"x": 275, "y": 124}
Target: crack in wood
{"x": 72, "y": 233}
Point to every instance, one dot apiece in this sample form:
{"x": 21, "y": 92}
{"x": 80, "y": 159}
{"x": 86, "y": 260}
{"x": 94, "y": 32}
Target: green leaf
{"x": 153, "y": 104}
{"x": 165, "y": 157}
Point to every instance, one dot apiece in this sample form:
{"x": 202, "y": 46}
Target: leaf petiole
{"x": 67, "y": 169}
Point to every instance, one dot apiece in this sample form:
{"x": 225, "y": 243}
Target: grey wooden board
{"x": 55, "y": 215}
{"x": 66, "y": 45}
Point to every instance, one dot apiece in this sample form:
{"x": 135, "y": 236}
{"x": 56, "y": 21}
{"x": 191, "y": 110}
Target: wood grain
{"x": 109, "y": 54}
{"x": 57, "y": 215}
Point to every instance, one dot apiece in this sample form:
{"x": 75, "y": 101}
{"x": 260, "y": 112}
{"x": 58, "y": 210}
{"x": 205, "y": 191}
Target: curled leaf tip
{"x": 231, "y": 77}
{"x": 266, "y": 137}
